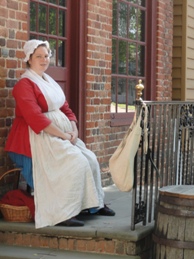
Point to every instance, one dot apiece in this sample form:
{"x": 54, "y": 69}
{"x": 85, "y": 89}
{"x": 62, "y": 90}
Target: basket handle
{"x": 10, "y": 171}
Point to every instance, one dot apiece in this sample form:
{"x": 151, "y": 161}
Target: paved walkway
{"x": 113, "y": 227}
{"x": 7, "y": 252}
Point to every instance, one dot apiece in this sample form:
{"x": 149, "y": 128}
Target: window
{"x": 48, "y": 22}
{"x": 129, "y": 47}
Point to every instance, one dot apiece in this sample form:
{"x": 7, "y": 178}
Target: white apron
{"x": 66, "y": 177}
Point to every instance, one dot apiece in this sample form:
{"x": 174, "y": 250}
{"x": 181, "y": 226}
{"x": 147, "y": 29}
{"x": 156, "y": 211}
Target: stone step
{"x": 101, "y": 235}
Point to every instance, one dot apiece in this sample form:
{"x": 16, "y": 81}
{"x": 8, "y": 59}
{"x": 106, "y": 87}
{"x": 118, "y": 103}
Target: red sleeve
{"x": 68, "y": 112}
{"x": 30, "y": 104}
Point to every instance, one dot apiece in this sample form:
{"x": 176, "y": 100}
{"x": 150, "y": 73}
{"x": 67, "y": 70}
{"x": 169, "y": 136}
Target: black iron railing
{"x": 169, "y": 159}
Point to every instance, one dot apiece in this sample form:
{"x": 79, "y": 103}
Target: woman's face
{"x": 39, "y": 60}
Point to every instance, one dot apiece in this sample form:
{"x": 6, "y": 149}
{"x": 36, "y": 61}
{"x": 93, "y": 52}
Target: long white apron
{"x": 66, "y": 177}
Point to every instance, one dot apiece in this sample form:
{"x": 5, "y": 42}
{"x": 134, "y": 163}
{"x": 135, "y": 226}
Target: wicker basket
{"x": 15, "y": 213}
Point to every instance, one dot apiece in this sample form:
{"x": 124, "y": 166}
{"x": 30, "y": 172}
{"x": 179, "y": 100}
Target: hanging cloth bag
{"x": 121, "y": 164}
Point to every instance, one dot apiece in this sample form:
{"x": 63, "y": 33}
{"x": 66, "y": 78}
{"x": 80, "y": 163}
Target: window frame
{"x": 149, "y": 80}
{"x": 47, "y": 35}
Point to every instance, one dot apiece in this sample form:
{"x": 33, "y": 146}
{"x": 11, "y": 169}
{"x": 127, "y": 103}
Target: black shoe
{"x": 106, "y": 211}
{"x": 73, "y": 222}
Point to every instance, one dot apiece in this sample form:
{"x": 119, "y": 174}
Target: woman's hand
{"x": 74, "y": 133}
{"x": 55, "y": 131}
{"x": 74, "y": 136}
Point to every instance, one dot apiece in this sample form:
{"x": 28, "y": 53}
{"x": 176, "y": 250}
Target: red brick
{"x": 53, "y": 243}
{"x": 91, "y": 245}
{"x": 26, "y": 241}
{"x": 81, "y": 245}
{"x": 71, "y": 244}
{"x": 35, "y": 240}
{"x": 18, "y": 239}
{"x": 11, "y": 63}
{"x": 110, "y": 247}
{"x": 100, "y": 246}
{"x": 63, "y": 243}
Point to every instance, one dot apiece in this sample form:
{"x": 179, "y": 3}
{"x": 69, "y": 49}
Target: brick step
{"x": 85, "y": 239}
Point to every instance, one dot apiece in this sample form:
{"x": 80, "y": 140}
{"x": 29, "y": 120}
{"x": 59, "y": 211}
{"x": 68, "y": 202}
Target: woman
{"x": 44, "y": 142}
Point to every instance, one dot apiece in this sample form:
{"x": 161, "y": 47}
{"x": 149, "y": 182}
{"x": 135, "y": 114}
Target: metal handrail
{"x": 170, "y": 156}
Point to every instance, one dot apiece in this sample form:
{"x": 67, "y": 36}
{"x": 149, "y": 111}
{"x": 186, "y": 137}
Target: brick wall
{"x": 100, "y": 137}
{"x": 164, "y": 50}
{"x": 99, "y": 55}
{"x": 13, "y": 31}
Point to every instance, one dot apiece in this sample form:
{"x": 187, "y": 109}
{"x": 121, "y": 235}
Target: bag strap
{"x": 149, "y": 155}
{"x": 134, "y": 122}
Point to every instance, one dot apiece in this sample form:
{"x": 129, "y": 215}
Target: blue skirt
{"x": 25, "y": 163}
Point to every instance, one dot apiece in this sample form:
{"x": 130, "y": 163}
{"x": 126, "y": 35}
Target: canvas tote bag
{"x": 121, "y": 164}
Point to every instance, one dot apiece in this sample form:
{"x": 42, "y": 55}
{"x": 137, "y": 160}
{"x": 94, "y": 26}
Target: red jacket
{"x": 29, "y": 111}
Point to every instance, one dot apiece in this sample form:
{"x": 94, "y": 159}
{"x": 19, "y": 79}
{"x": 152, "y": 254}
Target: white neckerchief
{"x": 52, "y": 91}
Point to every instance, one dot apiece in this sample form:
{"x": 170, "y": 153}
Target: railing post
{"x": 138, "y": 210}
{"x": 139, "y": 89}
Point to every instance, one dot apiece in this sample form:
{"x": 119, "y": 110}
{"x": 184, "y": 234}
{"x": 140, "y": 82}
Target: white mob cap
{"x": 31, "y": 45}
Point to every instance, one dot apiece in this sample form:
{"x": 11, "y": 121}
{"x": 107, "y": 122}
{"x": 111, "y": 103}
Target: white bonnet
{"x": 31, "y": 45}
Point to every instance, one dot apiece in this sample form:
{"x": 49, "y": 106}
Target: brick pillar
{"x": 13, "y": 32}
